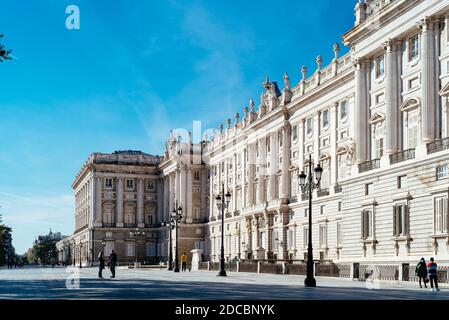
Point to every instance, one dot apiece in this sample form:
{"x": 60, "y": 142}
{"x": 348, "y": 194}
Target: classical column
{"x": 189, "y": 197}
{"x": 166, "y": 207}
{"x": 393, "y": 96}
{"x": 361, "y": 110}
{"x": 286, "y": 159}
{"x": 97, "y": 184}
{"x": 273, "y": 166}
{"x": 244, "y": 179}
{"x": 140, "y": 220}
{"x": 177, "y": 185}
{"x": 316, "y": 135}
{"x": 429, "y": 81}
{"x": 183, "y": 192}
{"x": 301, "y": 138}
{"x": 160, "y": 215}
{"x": 251, "y": 164}
{"x": 234, "y": 184}
{"x": 333, "y": 127}
{"x": 119, "y": 206}
{"x": 262, "y": 169}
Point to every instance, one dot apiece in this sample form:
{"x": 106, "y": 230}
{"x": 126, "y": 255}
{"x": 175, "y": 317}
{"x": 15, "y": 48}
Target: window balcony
{"x": 293, "y": 199}
{"x": 369, "y": 165}
{"x": 236, "y": 213}
{"x": 228, "y": 215}
{"x": 437, "y": 146}
{"x": 323, "y": 193}
{"x": 130, "y": 225}
{"x": 108, "y": 225}
{"x": 304, "y": 196}
{"x": 337, "y": 188}
{"x": 212, "y": 219}
{"x": 402, "y": 156}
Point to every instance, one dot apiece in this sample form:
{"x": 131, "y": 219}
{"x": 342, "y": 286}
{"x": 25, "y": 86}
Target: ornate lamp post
{"x": 307, "y": 184}
{"x": 177, "y": 216}
{"x": 136, "y": 233}
{"x": 170, "y": 225}
{"x": 222, "y": 203}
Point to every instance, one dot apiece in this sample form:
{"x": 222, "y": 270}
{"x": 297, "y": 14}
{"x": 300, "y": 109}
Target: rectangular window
{"x": 325, "y": 118}
{"x": 150, "y": 185}
{"x": 130, "y": 247}
{"x": 339, "y": 234}
{"x": 290, "y": 239}
{"x": 379, "y": 148}
{"x": 196, "y": 213}
{"x": 414, "y": 48}
{"x": 306, "y": 213}
{"x": 322, "y": 236}
{"x": 108, "y": 183}
{"x": 309, "y": 126}
{"x": 441, "y": 172}
{"x": 306, "y": 237}
{"x": 197, "y": 175}
{"x": 368, "y": 189}
{"x": 268, "y": 144}
{"x": 380, "y": 69}
{"x": 402, "y": 182}
{"x": 295, "y": 133}
{"x": 400, "y": 220}
{"x": 440, "y": 215}
{"x": 322, "y": 209}
{"x": 129, "y": 184}
{"x": 343, "y": 110}
{"x": 367, "y": 224}
{"x": 412, "y": 130}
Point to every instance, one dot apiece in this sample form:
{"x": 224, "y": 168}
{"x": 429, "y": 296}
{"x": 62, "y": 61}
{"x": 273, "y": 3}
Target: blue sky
{"x": 133, "y": 71}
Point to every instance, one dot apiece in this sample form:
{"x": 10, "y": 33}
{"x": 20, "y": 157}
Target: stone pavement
{"x": 49, "y": 283}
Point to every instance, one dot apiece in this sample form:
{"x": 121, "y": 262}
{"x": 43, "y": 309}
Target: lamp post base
{"x": 222, "y": 273}
{"x": 310, "y": 282}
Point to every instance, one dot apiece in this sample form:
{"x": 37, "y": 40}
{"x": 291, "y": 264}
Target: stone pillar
{"x": 393, "y": 96}
{"x": 262, "y": 170}
{"x": 244, "y": 179}
{"x": 166, "y": 207}
{"x": 119, "y": 206}
{"x": 196, "y": 259}
{"x": 140, "y": 189}
{"x": 429, "y": 80}
{"x": 250, "y": 165}
{"x": 361, "y": 110}
{"x": 177, "y": 187}
{"x": 96, "y": 195}
{"x": 301, "y": 138}
{"x": 233, "y": 206}
{"x": 189, "y": 197}
{"x": 316, "y": 135}
{"x": 183, "y": 193}
{"x": 286, "y": 160}
{"x": 333, "y": 127}
{"x": 273, "y": 166}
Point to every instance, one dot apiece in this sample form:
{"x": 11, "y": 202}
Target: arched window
{"x": 377, "y": 123}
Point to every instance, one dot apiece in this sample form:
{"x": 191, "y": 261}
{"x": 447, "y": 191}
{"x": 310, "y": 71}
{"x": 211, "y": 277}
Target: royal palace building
{"x": 377, "y": 121}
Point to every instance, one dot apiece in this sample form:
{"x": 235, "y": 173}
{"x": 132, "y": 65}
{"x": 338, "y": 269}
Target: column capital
{"x": 391, "y": 45}
{"x": 426, "y": 24}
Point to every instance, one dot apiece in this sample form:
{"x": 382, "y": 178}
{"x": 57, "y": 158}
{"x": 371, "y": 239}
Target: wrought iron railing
{"x": 438, "y": 145}
{"x": 228, "y": 215}
{"x": 293, "y": 199}
{"x": 402, "y": 156}
{"x": 322, "y": 192}
{"x": 130, "y": 225}
{"x": 108, "y": 225}
{"x": 369, "y": 165}
{"x": 304, "y": 196}
{"x": 337, "y": 188}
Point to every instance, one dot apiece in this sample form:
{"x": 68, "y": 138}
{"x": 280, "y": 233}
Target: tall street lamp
{"x": 170, "y": 225}
{"x": 307, "y": 184}
{"x": 222, "y": 204}
{"x": 177, "y": 216}
{"x": 136, "y": 233}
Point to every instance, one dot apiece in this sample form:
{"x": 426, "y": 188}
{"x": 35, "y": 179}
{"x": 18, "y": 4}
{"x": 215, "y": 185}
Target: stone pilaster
{"x": 189, "y": 197}
{"x": 429, "y": 61}
{"x": 262, "y": 162}
{"x": 183, "y": 192}
{"x": 140, "y": 191}
{"x": 96, "y": 196}
{"x": 333, "y": 127}
{"x": 286, "y": 159}
{"x": 273, "y": 166}
{"x": 361, "y": 110}
{"x": 393, "y": 96}
{"x": 250, "y": 166}
{"x": 119, "y": 206}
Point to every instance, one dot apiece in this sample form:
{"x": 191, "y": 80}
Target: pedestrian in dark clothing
{"x": 112, "y": 263}
{"x": 433, "y": 277}
{"x": 421, "y": 272}
{"x": 101, "y": 265}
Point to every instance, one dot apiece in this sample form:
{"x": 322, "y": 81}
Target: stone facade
{"x": 375, "y": 119}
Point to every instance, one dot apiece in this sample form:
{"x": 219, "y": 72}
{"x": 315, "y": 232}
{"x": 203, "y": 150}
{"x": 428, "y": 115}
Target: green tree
{"x": 4, "y": 54}
{"x": 5, "y": 245}
{"x": 43, "y": 252}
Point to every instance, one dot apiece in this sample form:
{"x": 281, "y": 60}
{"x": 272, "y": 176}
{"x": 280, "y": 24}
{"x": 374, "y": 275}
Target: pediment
{"x": 342, "y": 150}
{"x": 324, "y": 157}
{"x": 411, "y": 103}
{"x": 377, "y": 117}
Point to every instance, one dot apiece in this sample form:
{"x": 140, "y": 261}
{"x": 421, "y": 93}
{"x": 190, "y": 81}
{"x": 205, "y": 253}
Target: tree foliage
{"x": 4, "y": 54}
{"x": 43, "y": 252}
{"x": 5, "y": 247}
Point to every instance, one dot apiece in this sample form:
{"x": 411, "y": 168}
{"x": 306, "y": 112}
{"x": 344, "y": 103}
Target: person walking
{"x": 433, "y": 276}
{"x": 184, "y": 262}
{"x": 421, "y": 272}
{"x": 101, "y": 265}
{"x": 112, "y": 263}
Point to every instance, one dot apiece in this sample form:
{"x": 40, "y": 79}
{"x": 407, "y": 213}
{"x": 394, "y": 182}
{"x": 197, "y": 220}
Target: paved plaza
{"x": 49, "y": 283}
